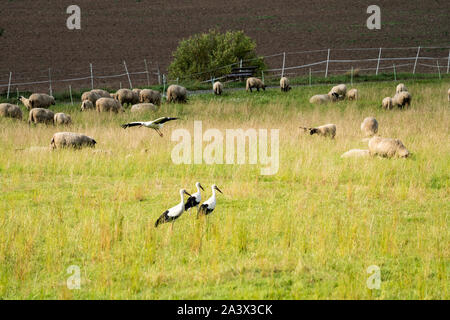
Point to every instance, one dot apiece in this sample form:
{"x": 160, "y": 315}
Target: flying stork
{"x": 173, "y": 213}
{"x": 208, "y": 206}
{"x": 155, "y": 124}
{"x": 195, "y": 199}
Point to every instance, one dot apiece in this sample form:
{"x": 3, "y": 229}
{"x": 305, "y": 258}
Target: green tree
{"x": 213, "y": 54}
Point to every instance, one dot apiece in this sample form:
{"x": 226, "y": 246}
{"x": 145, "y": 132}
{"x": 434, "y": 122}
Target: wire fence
{"x": 324, "y": 62}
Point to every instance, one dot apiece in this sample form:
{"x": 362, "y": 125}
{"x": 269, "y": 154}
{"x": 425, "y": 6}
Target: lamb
{"x": 70, "y": 139}
{"x": 401, "y": 88}
{"x": 327, "y": 130}
{"x": 142, "y": 107}
{"x": 402, "y": 99}
{"x": 352, "y": 94}
{"x": 38, "y": 100}
{"x": 284, "y": 84}
{"x": 355, "y": 153}
{"x": 340, "y": 89}
{"x": 126, "y": 96}
{"x": 218, "y": 88}
{"x": 62, "y": 119}
{"x": 387, "y": 147}
{"x": 369, "y": 126}
{"x": 108, "y": 105}
{"x": 254, "y": 83}
{"x": 176, "y": 93}
{"x": 8, "y": 110}
{"x": 41, "y": 115}
{"x": 387, "y": 103}
{"x": 150, "y": 96}
{"x": 323, "y": 98}
{"x": 87, "y": 105}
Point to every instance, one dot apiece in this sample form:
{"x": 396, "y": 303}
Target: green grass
{"x": 308, "y": 232}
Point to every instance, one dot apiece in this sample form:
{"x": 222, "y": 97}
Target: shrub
{"x": 212, "y": 54}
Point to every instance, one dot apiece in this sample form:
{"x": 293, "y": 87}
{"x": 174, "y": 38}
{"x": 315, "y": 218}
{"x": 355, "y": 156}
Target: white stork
{"x": 155, "y": 124}
{"x": 173, "y": 213}
{"x": 208, "y": 206}
{"x": 195, "y": 199}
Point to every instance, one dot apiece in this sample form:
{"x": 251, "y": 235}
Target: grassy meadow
{"x": 308, "y": 232}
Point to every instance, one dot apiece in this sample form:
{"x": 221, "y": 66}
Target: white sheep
{"x": 327, "y": 130}
{"x": 369, "y": 126}
{"x": 38, "y": 100}
{"x": 400, "y": 88}
{"x": 91, "y": 96}
{"x": 176, "y": 93}
{"x": 254, "y": 83}
{"x": 402, "y": 99}
{"x": 218, "y": 88}
{"x": 387, "y": 103}
{"x": 101, "y": 93}
{"x": 87, "y": 105}
{"x": 387, "y": 147}
{"x": 142, "y": 107}
{"x": 323, "y": 98}
{"x": 150, "y": 96}
{"x": 352, "y": 94}
{"x": 41, "y": 115}
{"x": 108, "y": 105}
{"x": 284, "y": 84}
{"x": 127, "y": 96}
{"x": 340, "y": 90}
{"x": 70, "y": 139}
{"x": 8, "y": 110}
{"x": 355, "y": 153}
{"x": 62, "y": 119}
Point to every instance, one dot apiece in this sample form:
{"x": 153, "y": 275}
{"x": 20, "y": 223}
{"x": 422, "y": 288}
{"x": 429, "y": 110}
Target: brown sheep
{"x": 369, "y": 126}
{"x": 38, "y": 100}
{"x": 62, "y": 119}
{"x": 176, "y": 93}
{"x": 41, "y": 115}
{"x": 87, "y": 105}
{"x": 126, "y": 96}
{"x": 8, "y": 110}
{"x": 70, "y": 139}
{"x": 402, "y": 99}
{"x": 327, "y": 130}
{"x": 254, "y": 83}
{"x": 108, "y": 105}
{"x": 150, "y": 96}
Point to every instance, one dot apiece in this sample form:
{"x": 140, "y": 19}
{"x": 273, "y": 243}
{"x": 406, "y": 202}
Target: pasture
{"x": 308, "y": 232}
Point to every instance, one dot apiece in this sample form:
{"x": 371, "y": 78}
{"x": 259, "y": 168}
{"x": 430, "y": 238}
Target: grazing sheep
{"x": 8, "y": 110}
{"x": 401, "y": 88}
{"x": 62, "y": 119}
{"x": 176, "y": 93}
{"x": 284, "y": 84}
{"x": 387, "y": 147}
{"x": 254, "y": 83}
{"x": 38, "y": 100}
{"x": 136, "y": 95}
{"x": 108, "y": 105}
{"x": 327, "y": 130}
{"x": 141, "y": 107}
{"x": 355, "y": 153}
{"x": 101, "y": 93}
{"x": 340, "y": 90}
{"x": 87, "y": 105}
{"x": 41, "y": 115}
{"x": 218, "y": 88}
{"x": 369, "y": 126}
{"x": 323, "y": 98}
{"x": 70, "y": 139}
{"x": 352, "y": 94}
{"x": 402, "y": 99}
{"x": 150, "y": 96}
{"x": 387, "y": 103}
{"x": 126, "y": 96}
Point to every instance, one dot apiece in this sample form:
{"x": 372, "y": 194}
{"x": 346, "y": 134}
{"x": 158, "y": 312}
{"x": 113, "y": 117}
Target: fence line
{"x": 14, "y": 79}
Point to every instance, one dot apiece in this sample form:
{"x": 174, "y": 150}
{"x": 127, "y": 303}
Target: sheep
{"x": 340, "y": 89}
{"x": 91, "y": 96}
{"x": 126, "y": 96}
{"x": 108, "y": 105}
{"x": 142, "y": 107}
{"x": 8, "y": 110}
{"x": 176, "y": 93}
{"x": 401, "y": 88}
{"x": 70, "y": 139}
{"x": 369, "y": 126}
{"x": 254, "y": 83}
{"x": 402, "y": 99}
{"x": 387, "y": 147}
{"x": 327, "y": 130}
{"x": 136, "y": 96}
{"x": 87, "y": 105}
{"x": 323, "y": 98}
{"x": 38, "y": 100}
{"x": 62, "y": 118}
{"x": 355, "y": 153}
{"x": 218, "y": 88}
{"x": 150, "y": 96}
{"x": 101, "y": 93}
{"x": 41, "y": 115}
{"x": 352, "y": 94}
{"x": 284, "y": 84}
{"x": 387, "y": 103}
